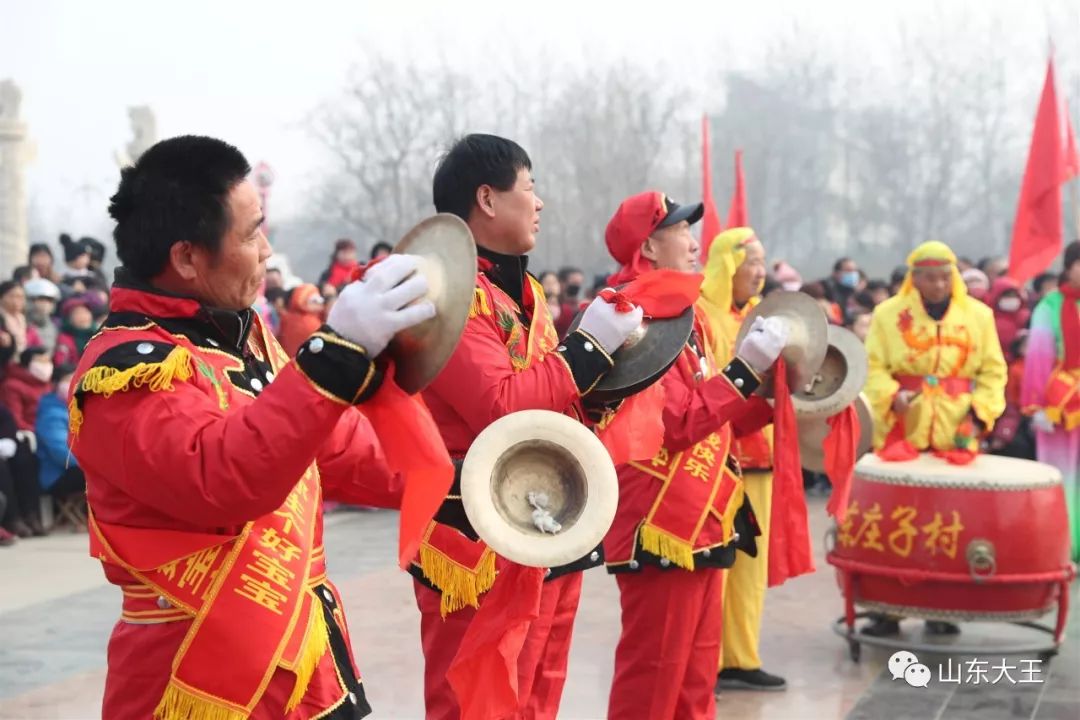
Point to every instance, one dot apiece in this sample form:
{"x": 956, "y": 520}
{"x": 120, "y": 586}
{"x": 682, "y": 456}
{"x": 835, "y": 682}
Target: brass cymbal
{"x": 814, "y": 430}
{"x": 807, "y": 333}
{"x": 838, "y": 381}
{"x": 447, "y": 255}
{"x": 539, "y": 460}
{"x": 645, "y": 356}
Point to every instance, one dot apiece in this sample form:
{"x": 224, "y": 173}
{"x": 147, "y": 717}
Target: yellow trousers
{"x": 744, "y": 586}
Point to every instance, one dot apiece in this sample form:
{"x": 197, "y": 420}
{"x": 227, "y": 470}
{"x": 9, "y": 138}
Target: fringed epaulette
{"x": 480, "y": 305}
{"x": 128, "y": 366}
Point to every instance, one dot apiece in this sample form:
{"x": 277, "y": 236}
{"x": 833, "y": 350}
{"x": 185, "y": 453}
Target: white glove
{"x": 763, "y": 344}
{"x": 371, "y": 311}
{"x": 7, "y": 448}
{"x": 29, "y": 438}
{"x": 609, "y": 326}
{"x": 1042, "y": 422}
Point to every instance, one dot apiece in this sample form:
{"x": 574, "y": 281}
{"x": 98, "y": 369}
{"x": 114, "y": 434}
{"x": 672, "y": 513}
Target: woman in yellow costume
{"x": 734, "y": 275}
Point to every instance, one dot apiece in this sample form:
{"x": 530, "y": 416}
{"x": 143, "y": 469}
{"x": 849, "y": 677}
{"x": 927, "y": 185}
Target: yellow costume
{"x": 744, "y": 587}
{"x": 955, "y": 364}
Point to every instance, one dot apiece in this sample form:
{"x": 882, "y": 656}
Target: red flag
{"x": 710, "y": 222}
{"x": 1036, "y": 239}
{"x": 1071, "y": 160}
{"x": 738, "y": 215}
{"x": 790, "y": 554}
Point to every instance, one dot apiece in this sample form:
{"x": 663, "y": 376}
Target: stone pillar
{"x": 14, "y": 156}
{"x": 143, "y": 135}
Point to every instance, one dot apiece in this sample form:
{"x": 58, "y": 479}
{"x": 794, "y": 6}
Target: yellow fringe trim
{"x": 458, "y": 586}
{"x": 179, "y": 704}
{"x": 154, "y": 376}
{"x": 665, "y": 545}
{"x": 479, "y": 304}
{"x": 316, "y": 642}
{"x": 75, "y": 418}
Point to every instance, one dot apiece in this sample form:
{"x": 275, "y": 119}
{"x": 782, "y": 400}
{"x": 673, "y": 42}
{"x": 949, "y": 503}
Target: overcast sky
{"x": 250, "y": 71}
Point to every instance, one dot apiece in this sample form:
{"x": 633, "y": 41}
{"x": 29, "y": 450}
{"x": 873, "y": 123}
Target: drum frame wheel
{"x": 845, "y": 625}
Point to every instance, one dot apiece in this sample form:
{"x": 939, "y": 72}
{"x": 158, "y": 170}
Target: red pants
{"x": 541, "y": 665}
{"x": 665, "y": 663}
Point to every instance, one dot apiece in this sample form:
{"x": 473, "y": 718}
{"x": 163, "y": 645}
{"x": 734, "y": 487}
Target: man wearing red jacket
{"x": 509, "y": 359}
{"x": 205, "y": 484}
{"x": 682, "y": 513}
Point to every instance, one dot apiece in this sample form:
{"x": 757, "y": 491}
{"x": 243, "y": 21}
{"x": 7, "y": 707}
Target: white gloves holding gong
{"x": 763, "y": 344}
{"x": 609, "y": 326}
{"x": 371, "y": 311}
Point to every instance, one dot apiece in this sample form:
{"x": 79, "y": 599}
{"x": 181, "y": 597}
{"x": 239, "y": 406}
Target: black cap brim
{"x": 689, "y": 213}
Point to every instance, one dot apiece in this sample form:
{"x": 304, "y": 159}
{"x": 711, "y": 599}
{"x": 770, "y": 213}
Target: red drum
{"x": 985, "y": 541}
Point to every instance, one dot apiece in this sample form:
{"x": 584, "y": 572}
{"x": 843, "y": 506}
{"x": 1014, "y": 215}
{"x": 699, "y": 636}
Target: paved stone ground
{"x": 56, "y": 614}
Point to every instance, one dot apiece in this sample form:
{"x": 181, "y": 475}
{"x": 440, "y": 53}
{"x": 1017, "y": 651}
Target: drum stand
{"x": 845, "y": 625}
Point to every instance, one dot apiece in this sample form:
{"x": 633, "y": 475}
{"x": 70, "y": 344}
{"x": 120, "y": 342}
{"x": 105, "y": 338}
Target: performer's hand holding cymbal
{"x": 763, "y": 344}
{"x": 372, "y": 310}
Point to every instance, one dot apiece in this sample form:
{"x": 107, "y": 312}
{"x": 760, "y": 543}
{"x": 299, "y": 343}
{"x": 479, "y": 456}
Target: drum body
{"x": 985, "y": 541}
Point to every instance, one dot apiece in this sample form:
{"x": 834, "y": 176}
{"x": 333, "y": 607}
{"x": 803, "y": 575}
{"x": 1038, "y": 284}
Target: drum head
{"x": 814, "y": 430}
{"x": 447, "y": 255}
{"x": 647, "y": 354}
{"x": 539, "y": 451}
{"x": 987, "y": 472}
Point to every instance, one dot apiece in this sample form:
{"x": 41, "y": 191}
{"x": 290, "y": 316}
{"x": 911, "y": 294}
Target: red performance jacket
{"x": 682, "y": 508}
{"x": 202, "y": 441}
{"x": 509, "y": 359}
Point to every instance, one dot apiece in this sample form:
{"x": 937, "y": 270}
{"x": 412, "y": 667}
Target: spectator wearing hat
{"x": 41, "y": 259}
{"x": 76, "y": 266}
{"x": 76, "y": 328}
{"x": 343, "y": 264}
{"x": 43, "y": 295}
{"x": 96, "y": 249}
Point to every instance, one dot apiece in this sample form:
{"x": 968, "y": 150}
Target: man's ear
{"x": 485, "y": 200}
{"x": 182, "y": 260}
{"x": 648, "y": 249}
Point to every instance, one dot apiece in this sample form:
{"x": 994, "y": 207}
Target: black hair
{"x": 839, "y": 264}
{"x": 39, "y": 248}
{"x": 22, "y": 273}
{"x": 178, "y": 190}
{"x": 864, "y": 300}
{"x": 27, "y": 356}
{"x": 62, "y": 370}
{"x": 1072, "y": 254}
{"x": 566, "y": 271}
{"x": 1041, "y": 279}
{"x": 876, "y": 284}
{"x": 379, "y": 247}
{"x": 274, "y": 293}
{"x": 7, "y": 286}
{"x": 472, "y": 161}
{"x": 544, "y": 274}
{"x": 771, "y": 284}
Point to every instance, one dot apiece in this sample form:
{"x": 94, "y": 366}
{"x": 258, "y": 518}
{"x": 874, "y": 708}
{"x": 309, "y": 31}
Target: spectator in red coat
{"x": 76, "y": 329}
{"x": 24, "y": 385}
